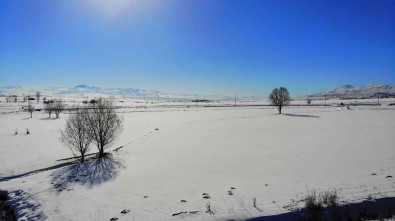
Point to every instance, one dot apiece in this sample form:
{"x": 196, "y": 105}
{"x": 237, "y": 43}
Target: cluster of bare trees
{"x": 97, "y": 123}
{"x": 11, "y": 98}
{"x": 14, "y": 98}
{"x": 54, "y": 106}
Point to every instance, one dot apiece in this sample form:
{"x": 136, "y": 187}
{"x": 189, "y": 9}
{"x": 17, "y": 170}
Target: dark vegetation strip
{"x": 377, "y": 209}
{"x": 6, "y": 213}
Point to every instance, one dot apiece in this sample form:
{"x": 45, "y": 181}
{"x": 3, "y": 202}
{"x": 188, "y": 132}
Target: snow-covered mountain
{"x": 92, "y": 91}
{"x": 80, "y": 90}
{"x": 85, "y": 89}
{"x": 366, "y": 91}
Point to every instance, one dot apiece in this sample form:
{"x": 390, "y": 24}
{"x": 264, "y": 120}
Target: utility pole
{"x": 196, "y": 100}
{"x": 378, "y": 96}
{"x": 325, "y": 98}
{"x": 235, "y": 98}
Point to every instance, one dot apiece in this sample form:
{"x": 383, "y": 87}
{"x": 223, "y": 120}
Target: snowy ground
{"x": 273, "y": 158}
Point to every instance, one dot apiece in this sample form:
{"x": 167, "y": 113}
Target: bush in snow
{"x": 330, "y": 198}
{"x": 313, "y": 202}
{"x": 316, "y": 202}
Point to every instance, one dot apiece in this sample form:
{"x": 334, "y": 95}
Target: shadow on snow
{"x": 90, "y": 173}
{"x": 35, "y": 171}
{"x": 370, "y": 209}
{"x": 301, "y": 115}
{"x": 47, "y": 118}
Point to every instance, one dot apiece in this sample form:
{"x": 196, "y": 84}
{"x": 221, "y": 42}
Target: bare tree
{"x": 48, "y": 107}
{"x": 30, "y": 109}
{"x": 280, "y": 98}
{"x": 58, "y": 107}
{"x": 308, "y": 101}
{"x": 38, "y": 95}
{"x": 104, "y": 124}
{"x": 75, "y": 135}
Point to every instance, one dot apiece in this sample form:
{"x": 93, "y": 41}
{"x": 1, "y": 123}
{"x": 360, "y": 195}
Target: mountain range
{"x": 345, "y": 91}
{"x": 82, "y": 90}
{"x": 366, "y": 91}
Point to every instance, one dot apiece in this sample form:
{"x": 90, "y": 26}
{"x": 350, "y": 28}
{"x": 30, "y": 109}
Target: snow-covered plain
{"x": 273, "y": 158}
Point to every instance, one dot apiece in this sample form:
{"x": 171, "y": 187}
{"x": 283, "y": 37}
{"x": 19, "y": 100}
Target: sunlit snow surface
{"x": 273, "y": 158}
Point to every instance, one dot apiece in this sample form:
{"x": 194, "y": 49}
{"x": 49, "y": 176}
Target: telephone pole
{"x": 378, "y": 96}
{"x": 325, "y": 98}
{"x": 196, "y": 100}
{"x": 235, "y": 98}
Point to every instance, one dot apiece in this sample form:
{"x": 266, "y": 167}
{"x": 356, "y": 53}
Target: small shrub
{"x": 208, "y": 209}
{"x": 16, "y": 132}
{"x": 330, "y": 198}
{"x": 27, "y": 131}
{"x": 254, "y": 205}
{"x": 313, "y": 202}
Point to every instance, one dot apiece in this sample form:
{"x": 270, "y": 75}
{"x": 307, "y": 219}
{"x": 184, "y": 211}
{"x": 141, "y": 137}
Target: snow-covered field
{"x": 273, "y": 158}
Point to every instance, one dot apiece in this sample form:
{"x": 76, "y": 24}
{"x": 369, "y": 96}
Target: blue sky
{"x": 198, "y": 46}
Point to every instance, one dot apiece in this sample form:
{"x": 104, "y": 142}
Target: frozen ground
{"x": 273, "y": 158}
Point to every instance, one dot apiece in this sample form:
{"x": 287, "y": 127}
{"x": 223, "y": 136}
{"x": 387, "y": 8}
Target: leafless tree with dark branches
{"x": 104, "y": 124}
{"x": 38, "y": 95}
{"x": 75, "y": 135}
{"x": 30, "y": 109}
{"x": 58, "y": 107}
{"x": 48, "y": 107}
{"x": 280, "y": 98}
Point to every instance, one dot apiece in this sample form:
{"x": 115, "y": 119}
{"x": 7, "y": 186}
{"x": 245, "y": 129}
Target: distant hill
{"x": 92, "y": 91}
{"x": 80, "y": 90}
{"x": 366, "y": 91}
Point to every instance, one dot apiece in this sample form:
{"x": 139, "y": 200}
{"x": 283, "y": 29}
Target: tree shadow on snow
{"x": 90, "y": 173}
{"x": 302, "y": 115}
{"x": 47, "y": 118}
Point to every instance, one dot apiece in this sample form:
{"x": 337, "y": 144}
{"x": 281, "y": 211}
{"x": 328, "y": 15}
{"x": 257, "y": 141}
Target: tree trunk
{"x": 279, "y": 110}
{"x": 101, "y": 153}
{"x": 101, "y": 150}
{"x": 31, "y": 114}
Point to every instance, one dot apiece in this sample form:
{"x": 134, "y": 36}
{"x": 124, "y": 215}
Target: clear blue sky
{"x": 198, "y": 46}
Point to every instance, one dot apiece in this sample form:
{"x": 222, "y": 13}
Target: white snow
{"x": 200, "y": 150}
